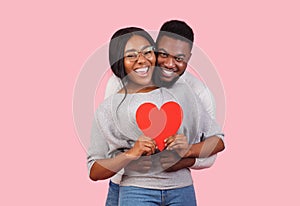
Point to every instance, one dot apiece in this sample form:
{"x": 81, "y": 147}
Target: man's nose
{"x": 169, "y": 62}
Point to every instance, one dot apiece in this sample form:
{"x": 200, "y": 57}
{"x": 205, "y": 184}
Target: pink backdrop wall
{"x": 254, "y": 46}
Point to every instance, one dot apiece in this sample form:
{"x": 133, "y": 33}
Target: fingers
{"x": 147, "y": 145}
{"x": 143, "y": 146}
{"x": 169, "y": 140}
{"x": 176, "y": 142}
{"x": 143, "y": 164}
{"x": 168, "y": 159}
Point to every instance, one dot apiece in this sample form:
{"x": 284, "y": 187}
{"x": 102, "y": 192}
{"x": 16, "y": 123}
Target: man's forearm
{"x": 182, "y": 163}
{"x": 206, "y": 148}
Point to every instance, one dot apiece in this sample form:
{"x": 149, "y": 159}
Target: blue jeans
{"x": 130, "y": 196}
{"x": 113, "y": 194}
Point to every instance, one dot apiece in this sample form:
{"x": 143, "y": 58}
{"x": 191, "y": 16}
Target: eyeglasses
{"x": 134, "y": 55}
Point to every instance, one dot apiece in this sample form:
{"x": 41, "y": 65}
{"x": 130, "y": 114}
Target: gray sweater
{"x": 115, "y": 130}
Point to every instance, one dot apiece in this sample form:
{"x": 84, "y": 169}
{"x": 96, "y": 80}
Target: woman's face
{"x": 139, "y": 61}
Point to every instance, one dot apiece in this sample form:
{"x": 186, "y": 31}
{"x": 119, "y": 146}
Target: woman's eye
{"x": 131, "y": 55}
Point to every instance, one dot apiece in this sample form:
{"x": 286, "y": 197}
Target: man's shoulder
{"x": 192, "y": 81}
{"x": 114, "y": 84}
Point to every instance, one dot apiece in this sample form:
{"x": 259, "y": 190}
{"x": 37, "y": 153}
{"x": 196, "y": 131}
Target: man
{"x": 174, "y": 45}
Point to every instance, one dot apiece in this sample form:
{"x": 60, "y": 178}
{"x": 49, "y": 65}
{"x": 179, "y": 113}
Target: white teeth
{"x": 142, "y": 70}
{"x": 168, "y": 72}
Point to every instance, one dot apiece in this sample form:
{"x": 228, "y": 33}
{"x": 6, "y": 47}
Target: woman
{"x": 117, "y": 141}
{"x": 125, "y": 49}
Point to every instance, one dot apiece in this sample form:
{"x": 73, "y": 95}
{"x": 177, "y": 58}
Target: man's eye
{"x": 162, "y": 54}
{"x": 179, "y": 59}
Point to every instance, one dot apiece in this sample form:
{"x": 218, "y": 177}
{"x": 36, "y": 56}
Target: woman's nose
{"x": 141, "y": 58}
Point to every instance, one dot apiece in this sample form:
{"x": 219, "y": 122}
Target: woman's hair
{"x": 117, "y": 45}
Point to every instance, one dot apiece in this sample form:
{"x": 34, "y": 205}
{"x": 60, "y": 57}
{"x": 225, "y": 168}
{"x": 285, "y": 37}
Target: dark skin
{"x": 142, "y": 165}
{"x": 183, "y": 155}
{"x": 171, "y": 161}
{"x": 106, "y": 168}
{"x": 179, "y": 154}
{"x": 174, "y": 56}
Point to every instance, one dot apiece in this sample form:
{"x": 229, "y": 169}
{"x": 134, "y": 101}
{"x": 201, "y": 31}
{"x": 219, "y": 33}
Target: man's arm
{"x": 172, "y": 162}
{"x": 206, "y": 148}
{"x": 208, "y": 102}
{"x": 196, "y": 156}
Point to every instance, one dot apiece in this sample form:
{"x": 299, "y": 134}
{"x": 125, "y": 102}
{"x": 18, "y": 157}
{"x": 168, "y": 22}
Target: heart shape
{"x": 159, "y": 124}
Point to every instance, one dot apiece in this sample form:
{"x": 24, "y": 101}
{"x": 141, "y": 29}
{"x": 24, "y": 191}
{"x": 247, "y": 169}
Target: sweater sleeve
{"x": 98, "y": 148}
{"x": 202, "y": 163}
{"x": 209, "y": 105}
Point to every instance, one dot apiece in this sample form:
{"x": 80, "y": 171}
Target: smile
{"x": 167, "y": 72}
{"x": 142, "y": 71}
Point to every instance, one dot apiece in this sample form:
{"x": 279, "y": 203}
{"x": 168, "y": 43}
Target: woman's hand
{"x": 143, "y": 146}
{"x": 178, "y": 143}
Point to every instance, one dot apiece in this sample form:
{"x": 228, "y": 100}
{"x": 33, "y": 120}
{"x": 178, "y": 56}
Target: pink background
{"x": 254, "y": 46}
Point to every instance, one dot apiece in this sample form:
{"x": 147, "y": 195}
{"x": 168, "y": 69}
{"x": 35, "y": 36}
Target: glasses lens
{"x": 148, "y": 52}
{"x": 132, "y": 56}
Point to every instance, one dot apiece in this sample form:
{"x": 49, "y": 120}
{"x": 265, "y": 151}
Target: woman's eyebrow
{"x": 134, "y": 50}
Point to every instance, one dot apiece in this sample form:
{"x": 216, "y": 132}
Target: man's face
{"x": 173, "y": 56}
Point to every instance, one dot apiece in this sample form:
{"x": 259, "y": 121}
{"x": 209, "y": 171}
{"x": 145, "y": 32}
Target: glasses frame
{"x": 138, "y": 53}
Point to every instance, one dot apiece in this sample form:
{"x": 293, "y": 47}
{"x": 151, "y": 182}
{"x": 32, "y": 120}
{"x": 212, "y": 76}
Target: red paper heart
{"x": 159, "y": 124}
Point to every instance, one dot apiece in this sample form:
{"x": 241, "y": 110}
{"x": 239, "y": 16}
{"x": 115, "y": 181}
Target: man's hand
{"x": 178, "y": 143}
{"x": 143, "y": 165}
{"x": 168, "y": 159}
{"x": 171, "y": 161}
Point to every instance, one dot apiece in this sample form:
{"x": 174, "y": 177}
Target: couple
{"x": 152, "y": 178}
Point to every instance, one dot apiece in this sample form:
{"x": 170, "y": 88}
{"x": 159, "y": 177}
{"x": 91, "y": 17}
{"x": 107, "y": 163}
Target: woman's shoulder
{"x": 106, "y": 104}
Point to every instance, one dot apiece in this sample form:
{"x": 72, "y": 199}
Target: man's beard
{"x": 159, "y": 82}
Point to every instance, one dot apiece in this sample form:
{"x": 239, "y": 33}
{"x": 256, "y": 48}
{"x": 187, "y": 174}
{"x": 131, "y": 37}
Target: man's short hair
{"x": 178, "y": 30}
